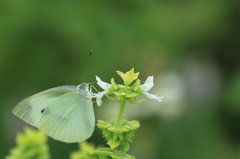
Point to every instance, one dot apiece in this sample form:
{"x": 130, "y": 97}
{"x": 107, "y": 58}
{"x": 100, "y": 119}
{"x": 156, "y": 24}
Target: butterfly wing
{"x": 60, "y": 112}
{"x": 69, "y": 118}
{"x": 30, "y": 108}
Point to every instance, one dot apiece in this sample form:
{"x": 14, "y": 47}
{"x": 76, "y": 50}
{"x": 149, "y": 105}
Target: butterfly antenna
{"x": 86, "y": 65}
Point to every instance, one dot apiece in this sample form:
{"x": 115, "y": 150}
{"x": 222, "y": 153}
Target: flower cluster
{"x": 128, "y": 90}
{"x": 118, "y": 134}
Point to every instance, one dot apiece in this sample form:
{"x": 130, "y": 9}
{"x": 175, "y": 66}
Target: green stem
{"x": 121, "y": 110}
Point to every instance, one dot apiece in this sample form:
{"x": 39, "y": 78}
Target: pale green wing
{"x": 30, "y": 108}
{"x": 69, "y": 118}
{"x": 60, "y": 112}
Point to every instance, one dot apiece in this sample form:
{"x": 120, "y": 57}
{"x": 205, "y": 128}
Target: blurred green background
{"x": 192, "y": 47}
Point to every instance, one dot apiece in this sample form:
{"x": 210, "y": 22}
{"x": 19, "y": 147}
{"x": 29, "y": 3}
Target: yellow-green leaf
{"x": 128, "y": 77}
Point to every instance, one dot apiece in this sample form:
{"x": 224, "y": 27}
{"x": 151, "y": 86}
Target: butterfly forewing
{"x": 61, "y": 112}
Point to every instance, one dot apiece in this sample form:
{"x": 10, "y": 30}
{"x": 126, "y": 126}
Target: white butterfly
{"x": 64, "y": 113}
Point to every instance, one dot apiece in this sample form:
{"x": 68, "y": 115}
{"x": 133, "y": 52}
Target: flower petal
{"x": 99, "y": 96}
{"x": 152, "y": 96}
{"x": 99, "y": 102}
{"x": 148, "y": 84}
{"x": 102, "y": 84}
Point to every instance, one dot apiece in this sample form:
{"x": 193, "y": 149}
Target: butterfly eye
{"x": 79, "y": 87}
{"x": 83, "y": 86}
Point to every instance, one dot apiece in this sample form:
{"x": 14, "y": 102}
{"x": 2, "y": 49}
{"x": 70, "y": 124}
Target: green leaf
{"x": 128, "y": 77}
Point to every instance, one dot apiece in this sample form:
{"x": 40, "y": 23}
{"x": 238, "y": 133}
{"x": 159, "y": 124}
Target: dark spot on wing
{"x": 48, "y": 113}
{"x": 43, "y": 110}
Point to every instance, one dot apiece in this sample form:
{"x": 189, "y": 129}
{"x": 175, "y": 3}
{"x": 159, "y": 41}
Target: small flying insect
{"x": 64, "y": 113}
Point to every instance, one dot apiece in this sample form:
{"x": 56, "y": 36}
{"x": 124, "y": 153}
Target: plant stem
{"x": 121, "y": 110}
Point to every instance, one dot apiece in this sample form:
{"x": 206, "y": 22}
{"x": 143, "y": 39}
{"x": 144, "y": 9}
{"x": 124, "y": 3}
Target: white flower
{"x": 147, "y": 86}
{"x": 105, "y": 86}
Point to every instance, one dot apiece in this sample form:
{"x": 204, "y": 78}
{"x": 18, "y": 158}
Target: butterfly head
{"x": 85, "y": 89}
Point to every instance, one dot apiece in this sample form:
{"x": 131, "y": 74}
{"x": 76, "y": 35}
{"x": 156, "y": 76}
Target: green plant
{"x": 30, "y": 145}
{"x": 119, "y": 133}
